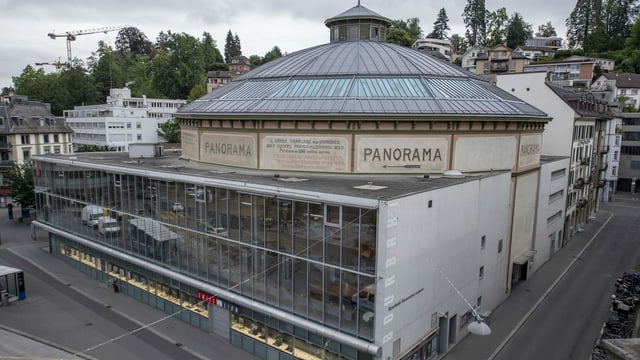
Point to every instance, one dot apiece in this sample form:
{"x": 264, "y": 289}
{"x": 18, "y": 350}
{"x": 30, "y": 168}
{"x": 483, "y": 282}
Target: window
{"x": 47, "y": 150}
{"x": 430, "y": 203}
{"x": 481, "y": 272}
{"x": 1, "y": 121}
{"x": 483, "y": 241}
{"x": 24, "y": 139}
{"x": 56, "y": 138}
{"x": 138, "y": 125}
{"x": 26, "y": 154}
{"x": 128, "y": 125}
{"x": 479, "y": 301}
{"x": 500, "y": 246}
{"x": 615, "y": 155}
{"x": 56, "y": 149}
{"x": 138, "y": 136}
{"x": 614, "y": 170}
{"x": 45, "y": 138}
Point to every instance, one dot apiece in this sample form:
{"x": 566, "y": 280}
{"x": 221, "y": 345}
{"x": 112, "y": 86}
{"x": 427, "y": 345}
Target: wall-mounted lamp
{"x": 477, "y": 326}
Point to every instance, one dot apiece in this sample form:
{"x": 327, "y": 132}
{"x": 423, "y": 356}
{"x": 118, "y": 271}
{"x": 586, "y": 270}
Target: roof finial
{"x": 358, "y": 3}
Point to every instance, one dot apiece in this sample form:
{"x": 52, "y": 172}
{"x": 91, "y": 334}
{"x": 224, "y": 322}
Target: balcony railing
{"x": 6, "y": 163}
{"x": 579, "y": 184}
{"x": 5, "y": 145}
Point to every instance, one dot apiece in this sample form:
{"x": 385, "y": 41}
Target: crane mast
{"x": 71, "y": 35}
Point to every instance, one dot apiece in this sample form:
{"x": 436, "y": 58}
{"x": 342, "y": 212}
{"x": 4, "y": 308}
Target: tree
{"x": 21, "y": 184}
{"x": 440, "y": 26}
{"x": 231, "y": 47}
{"x": 198, "y": 91}
{"x": 178, "y": 66}
{"x": 475, "y": 20}
{"x": 633, "y": 41}
{"x": 518, "y": 31}
{"x": 170, "y": 131}
{"x": 213, "y": 59}
{"x": 131, "y": 41}
{"x": 582, "y": 21}
{"x": 272, "y": 55}
{"x": 106, "y": 70}
{"x": 458, "y": 43}
{"x": 404, "y": 32}
{"x": 497, "y": 23}
{"x": 400, "y": 37}
{"x": 546, "y": 30}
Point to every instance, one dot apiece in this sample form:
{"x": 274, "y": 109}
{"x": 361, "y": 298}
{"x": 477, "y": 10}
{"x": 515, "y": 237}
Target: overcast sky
{"x": 289, "y": 24}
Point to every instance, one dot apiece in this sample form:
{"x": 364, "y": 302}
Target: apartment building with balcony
{"x": 574, "y": 71}
{"x": 122, "y": 120}
{"x": 500, "y": 59}
{"x": 28, "y": 128}
{"x": 578, "y": 131}
{"x": 622, "y": 88}
{"x": 468, "y": 61}
{"x": 437, "y": 47}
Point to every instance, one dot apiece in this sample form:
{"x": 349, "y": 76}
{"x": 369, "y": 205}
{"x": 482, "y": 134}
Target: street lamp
{"x": 477, "y": 326}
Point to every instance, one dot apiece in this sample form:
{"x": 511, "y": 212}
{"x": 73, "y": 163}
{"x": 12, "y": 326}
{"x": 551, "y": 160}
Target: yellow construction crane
{"x": 71, "y": 35}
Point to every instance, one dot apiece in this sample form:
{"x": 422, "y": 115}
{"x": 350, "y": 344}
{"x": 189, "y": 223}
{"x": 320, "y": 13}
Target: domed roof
{"x": 359, "y": 78}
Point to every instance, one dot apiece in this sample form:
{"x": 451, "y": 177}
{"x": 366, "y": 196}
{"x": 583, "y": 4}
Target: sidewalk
{"x": 507, "y": 318}
{"x": 196, "y": 342}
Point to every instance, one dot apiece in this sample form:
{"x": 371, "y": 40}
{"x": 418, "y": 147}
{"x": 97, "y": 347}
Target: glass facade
{"x": 314, "y": 260}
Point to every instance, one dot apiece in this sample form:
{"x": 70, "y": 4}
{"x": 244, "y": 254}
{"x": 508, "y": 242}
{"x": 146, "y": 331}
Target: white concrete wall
{"x": 531, "y": 87}
{"x": 548, "y": 226}
{"x": 417, "y": 242}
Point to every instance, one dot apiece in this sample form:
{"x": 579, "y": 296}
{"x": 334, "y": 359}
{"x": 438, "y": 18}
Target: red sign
{"x": 206, "y": 297}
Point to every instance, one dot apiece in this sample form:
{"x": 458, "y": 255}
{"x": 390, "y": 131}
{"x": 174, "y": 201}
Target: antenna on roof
{"x": 358, "y": 3}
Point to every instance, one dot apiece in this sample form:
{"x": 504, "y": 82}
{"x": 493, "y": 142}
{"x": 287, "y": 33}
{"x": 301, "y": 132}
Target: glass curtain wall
{"x": 313, "y": 259}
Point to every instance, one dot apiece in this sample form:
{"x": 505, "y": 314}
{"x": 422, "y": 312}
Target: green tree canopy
{"x": 440, "y": 26}
{"x": 546, "y": 30}
{"x": 231, "y": 47}
{"x": 21, "y": 184}
{"x": 131, "y": 41}
{"x": 475, "y": 20}
{"x": 178, "y": 66}
{"x": 518, "y": 31}
{"x": 497, "y": 23}
{"x": 170, "y": 130}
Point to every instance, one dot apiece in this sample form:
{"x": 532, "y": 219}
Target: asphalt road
{"x": 567, "y": 323}
{"x": 58, "y": 313}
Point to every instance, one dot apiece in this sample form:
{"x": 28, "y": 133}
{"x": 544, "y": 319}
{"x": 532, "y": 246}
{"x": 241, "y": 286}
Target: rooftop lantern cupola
{"x": 358, "y": 23}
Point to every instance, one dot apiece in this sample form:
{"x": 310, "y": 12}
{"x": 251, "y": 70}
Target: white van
{"x": 91, "y": 214}
{"x": 108, "y": 226}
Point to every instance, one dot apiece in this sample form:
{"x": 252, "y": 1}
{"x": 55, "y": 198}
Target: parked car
{"x": 177, "y": 207}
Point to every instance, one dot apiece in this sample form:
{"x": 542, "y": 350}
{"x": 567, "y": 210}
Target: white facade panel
{"x": 440, "y": 230}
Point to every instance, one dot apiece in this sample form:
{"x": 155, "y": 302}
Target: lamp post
{"x": 477, "y": 326}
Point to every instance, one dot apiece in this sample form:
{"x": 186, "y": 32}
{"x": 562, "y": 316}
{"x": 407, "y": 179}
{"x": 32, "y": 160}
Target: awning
{"x": 526, "y": 256}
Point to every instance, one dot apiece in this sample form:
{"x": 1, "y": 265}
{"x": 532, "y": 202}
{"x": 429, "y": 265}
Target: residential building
{"x": 121, "y": 121}
{"x": 469, "y": 57}
{"x": 629, "y": 168}
{"x": 239, "y": 65}
{"x": 611, "y": 155}
{"x": 217, "y": 78}
{"x": 28, "y": 128}
{"x": 623, "y": 88}
{"x": 320, "y": 209}
{"x": 574, "y": 71}
{"x": 438, "y": 47}
{"x": 500, "y": 59}
{"x": 535, "y": 52}
{"x": 576, "y": 132}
